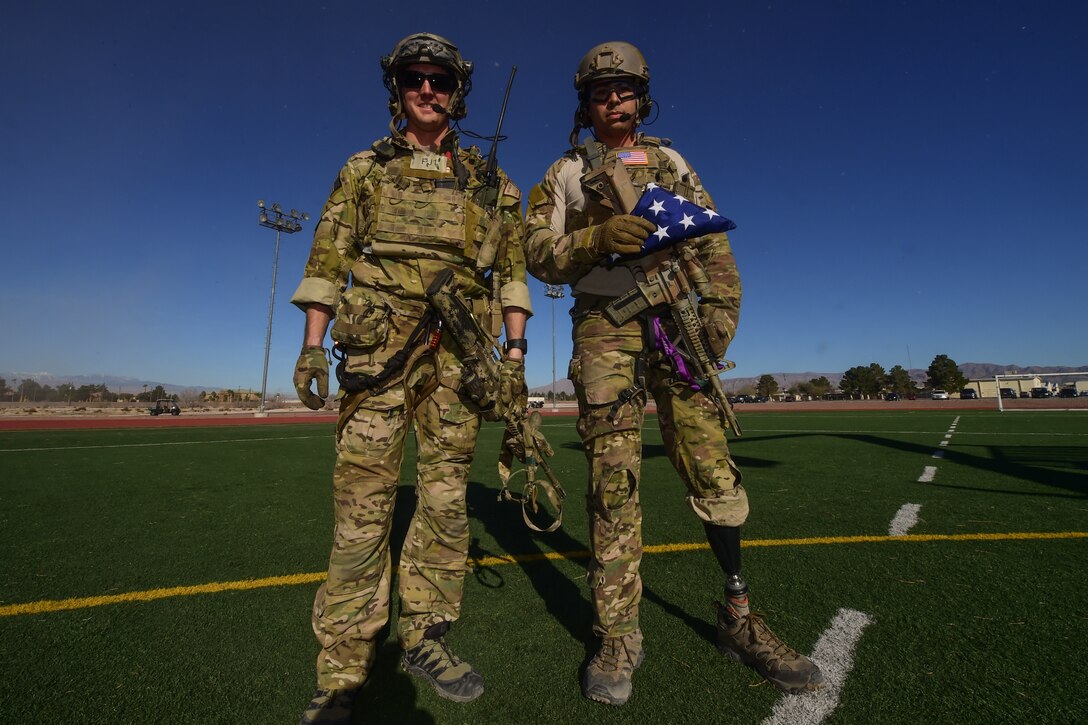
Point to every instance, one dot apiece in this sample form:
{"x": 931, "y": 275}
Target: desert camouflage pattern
{"x": 358, "y": 214}
{"x": 603, "y": 369}
{"x": 377, "y": 315}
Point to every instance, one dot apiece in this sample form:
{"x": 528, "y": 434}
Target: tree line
{"x": 872, "y": 380}
{"x": 31, "y": 391}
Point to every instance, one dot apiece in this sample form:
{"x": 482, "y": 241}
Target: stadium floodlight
{"x": 281, "y": 223}
{"x": 555, "y": 292}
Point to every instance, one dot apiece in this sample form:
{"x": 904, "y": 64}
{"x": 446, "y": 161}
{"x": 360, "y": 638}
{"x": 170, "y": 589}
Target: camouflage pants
{"x": 603, "y": 366}
{"x": 353, "y": 604}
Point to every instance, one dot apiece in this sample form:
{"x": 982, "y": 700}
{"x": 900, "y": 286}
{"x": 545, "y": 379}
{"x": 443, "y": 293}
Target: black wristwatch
{"x": 517, "y": 344}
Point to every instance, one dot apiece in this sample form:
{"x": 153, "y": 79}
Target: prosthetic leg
{"x": 743, "y": 636}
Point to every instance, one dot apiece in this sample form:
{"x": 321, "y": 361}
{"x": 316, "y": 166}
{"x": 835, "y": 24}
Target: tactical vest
{"x": 422, "y": 209}
{"x": 660, "y": 167}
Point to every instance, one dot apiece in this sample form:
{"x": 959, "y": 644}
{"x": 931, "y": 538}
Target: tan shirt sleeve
{"x": 514, "y": 291}
{"x": 555, "y": 254}
{"x": 334, "y": 250}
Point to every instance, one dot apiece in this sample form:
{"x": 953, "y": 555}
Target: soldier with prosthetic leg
{"x": 576, "y": 230}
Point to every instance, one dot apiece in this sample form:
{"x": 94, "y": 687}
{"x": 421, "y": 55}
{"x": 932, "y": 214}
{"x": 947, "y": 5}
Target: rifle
{"x": 661, "y": 279}
{"x": 480, "y": 382}
{"x": 670, "y": 276}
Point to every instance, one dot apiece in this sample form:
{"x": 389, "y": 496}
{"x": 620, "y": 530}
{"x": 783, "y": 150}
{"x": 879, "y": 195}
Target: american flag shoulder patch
{"x": 636, "y": 158}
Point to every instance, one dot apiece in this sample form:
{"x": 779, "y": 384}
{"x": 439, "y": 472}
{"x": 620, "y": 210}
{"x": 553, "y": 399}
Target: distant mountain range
{"x": 116, "y": 383}
{"x": 973, "y": 371}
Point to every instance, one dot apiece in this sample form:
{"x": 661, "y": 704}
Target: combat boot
{"x": 329, "y": 707}
{"x": 450, "y": 676}
{"x": 608, "y": 676}
{"x": 750, "y": 641}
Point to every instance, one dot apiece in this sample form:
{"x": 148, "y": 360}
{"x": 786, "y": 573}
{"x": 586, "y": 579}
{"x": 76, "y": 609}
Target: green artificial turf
{"x": 969, "y": 630}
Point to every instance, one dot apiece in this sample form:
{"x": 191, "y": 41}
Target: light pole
{"x": 555, "y": 292}
{"x": 274, "y": 218}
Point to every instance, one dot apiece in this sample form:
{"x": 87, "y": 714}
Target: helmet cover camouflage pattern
{"x": 433, "y": 49}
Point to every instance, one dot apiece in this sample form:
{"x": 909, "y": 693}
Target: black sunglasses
{"x": 412, "y": 80}
{"x": 601, "y": 92}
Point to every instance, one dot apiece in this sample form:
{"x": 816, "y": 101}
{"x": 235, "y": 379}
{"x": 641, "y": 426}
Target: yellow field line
{"x": 58, "y": 605}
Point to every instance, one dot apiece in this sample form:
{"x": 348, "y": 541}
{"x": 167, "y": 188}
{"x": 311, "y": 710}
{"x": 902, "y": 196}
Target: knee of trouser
{"x": 724, "y": 508}
{"x": 614, "y": 494}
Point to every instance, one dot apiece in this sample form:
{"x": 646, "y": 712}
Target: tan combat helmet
{"x": 427, "y": 48}
{"x": 614, "y": 59}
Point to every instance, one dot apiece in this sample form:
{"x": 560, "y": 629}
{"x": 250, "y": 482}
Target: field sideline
{"x": 165, "y": 574}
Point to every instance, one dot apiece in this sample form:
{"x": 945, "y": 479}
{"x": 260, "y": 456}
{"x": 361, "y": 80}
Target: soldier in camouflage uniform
{"x": 571, "y": 230}
{"x": 399, "y": 213}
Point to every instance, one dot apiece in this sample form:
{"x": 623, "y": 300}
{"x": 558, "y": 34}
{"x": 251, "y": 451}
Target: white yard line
{"x": 927, "y": 474}
{"x": 905, "y": 519}
{"x": 834, "y": 653}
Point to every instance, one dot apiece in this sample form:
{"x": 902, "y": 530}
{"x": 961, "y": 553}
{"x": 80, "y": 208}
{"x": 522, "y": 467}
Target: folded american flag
{"x": 676, "y": 218}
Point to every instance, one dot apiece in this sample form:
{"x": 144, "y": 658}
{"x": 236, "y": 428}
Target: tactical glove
{"x": 719, "y": 329}
{"x": 312, "y": 365}
{"x": 621, "y": 234}
{"x": 513, "y": 395}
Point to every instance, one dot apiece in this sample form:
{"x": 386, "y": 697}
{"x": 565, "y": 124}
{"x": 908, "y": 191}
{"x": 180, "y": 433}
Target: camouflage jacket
{"x": 562, "y": 211}
{"x": 397, "y": 216}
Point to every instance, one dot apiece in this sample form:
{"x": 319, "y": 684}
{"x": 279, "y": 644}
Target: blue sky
{"x": 907, "y": 178}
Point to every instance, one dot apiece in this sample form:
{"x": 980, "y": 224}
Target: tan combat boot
{"x": 608, "y": 676}
{"x": 451, "y": 677}
{"x": 750, "y": 641}
{"x": 329, "y": 707}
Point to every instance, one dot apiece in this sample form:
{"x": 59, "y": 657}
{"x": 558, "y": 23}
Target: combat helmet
{"x": 427, "y": 48}
{"x": 614, "y": 59}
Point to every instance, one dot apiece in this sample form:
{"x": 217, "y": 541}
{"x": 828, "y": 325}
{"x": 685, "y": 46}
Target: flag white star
{"x": 651, "y": 185}
{"x": 662, "y": 233}
{"x": 657, "y": 207}
{"x": 679, "y": 198}
{"x": 710, "y": 213}
{"x": 687, "y": 221}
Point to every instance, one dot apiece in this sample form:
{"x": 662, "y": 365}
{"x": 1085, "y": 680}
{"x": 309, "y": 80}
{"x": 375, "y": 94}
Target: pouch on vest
{"x": 485, "y": 231}
{"x": 362, "y": 319}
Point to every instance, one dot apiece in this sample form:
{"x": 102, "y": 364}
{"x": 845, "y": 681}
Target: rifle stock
{"x": 480, "y": 368}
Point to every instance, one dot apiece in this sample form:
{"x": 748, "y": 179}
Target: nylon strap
{"x": 535, "y": 453}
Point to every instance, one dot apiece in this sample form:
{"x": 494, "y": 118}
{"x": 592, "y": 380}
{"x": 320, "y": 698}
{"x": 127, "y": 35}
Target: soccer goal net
{"x": 1034, "y": 391}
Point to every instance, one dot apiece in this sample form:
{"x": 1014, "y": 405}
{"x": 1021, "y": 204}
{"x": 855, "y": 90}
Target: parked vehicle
{"x": 536, "y": 401}
{"x": 891, "y": 396}
{"x": 1008, "y": 393}
{"x": 164, "y": 407}
{"x": 1025, "y": 394}
{"x": 968, "y": 394}
{"x": 1041, "y": 392}
{"x": 1067, "y": 393}
{"x": 939, "y": 395}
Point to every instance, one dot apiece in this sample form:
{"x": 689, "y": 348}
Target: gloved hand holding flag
{"x": 676, "y": 218}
